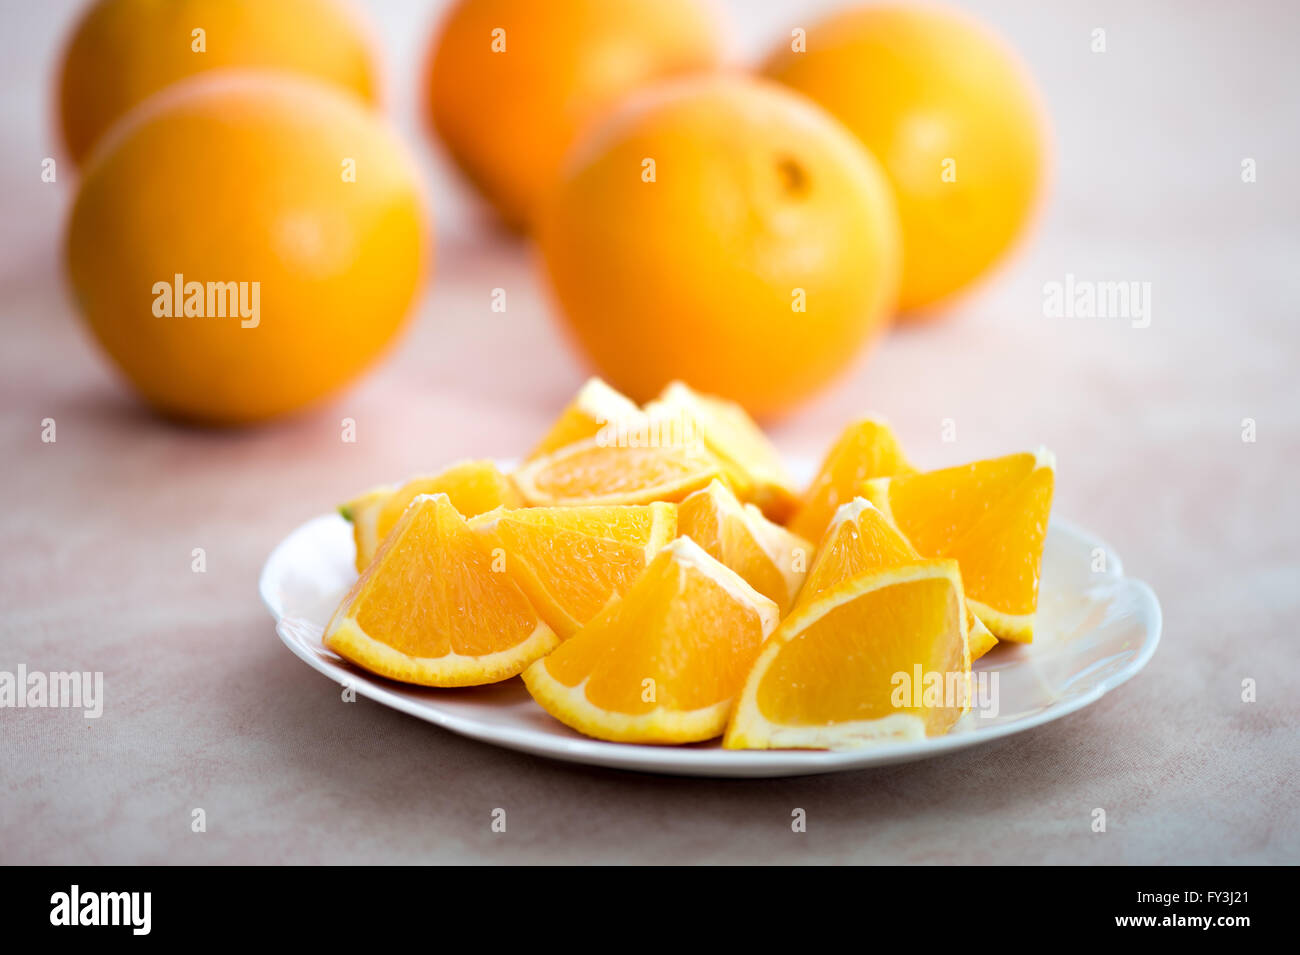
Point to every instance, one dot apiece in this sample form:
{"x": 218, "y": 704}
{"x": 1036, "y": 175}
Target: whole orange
{"x": 512, "y": 82}
{"x": 951, "y": 114}
{"x": 122, "y": 51}
{"x": 244, "y": 244}
{"x": 726, "y": 232}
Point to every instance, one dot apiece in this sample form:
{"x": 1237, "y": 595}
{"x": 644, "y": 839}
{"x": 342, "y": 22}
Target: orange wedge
{"x": 430, "y": 610}
{"x": 859, "y": 539}
{"x": 362, "y": 512}
{"x": 881, "y": 656}
{"x": 663, "y": 664}
{"x": 770, "y": 559}
{"x": 991, "y": 517}
{"x": 571, "y": 560}
{"x": 865, "y": 449}
{"x": 595, "y": 407}
{"x": 592, "y": 472}
{"x": 751, "y": 464}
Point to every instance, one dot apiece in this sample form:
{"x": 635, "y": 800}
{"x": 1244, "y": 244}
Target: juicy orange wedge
{"x": 860, "y": 539}
{"x": 571, "y": 560}
{"x": 881, "y": 656}
{"x": 596, "y": 406}
{"x": 664, "y": 663}
{"x": 362, "y": 512}
{"x": 990, "y": 516}
{"x": 771, "y": 559}
{"x": 865, "y": 449}
{"x": 431, "y": 610}
{"x": 593, "y": 472}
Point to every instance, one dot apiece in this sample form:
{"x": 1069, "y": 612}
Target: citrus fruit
{"x": 770, "y": 559}
{"x": 854, "y": 665}
{"x": 511, "y": 82}
{"x": 752, "y": 465}
{"x": 571, "y": 560}
{"x": 222, "y": 257}
{"x": 123, "y": 51}
{"x": 859, "y": 539}
{"x": 723, "y": 231}
{"x": 431, "y": 610}
{"x": 865, "y": 449}
{"x": 991, "y": 517}
{"x": 472, "y": 486}
{"x": 662, "y": 664}
{"x": 951, "y": 114}
{"x": 590, "y": 472}
{"x": 595, "y": 407}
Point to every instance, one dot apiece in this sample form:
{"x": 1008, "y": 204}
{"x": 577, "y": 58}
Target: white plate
{"x": 1095, "y": 629}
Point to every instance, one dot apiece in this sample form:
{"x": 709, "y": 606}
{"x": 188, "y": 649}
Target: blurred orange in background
{"x": 725, "y": 231}
{"x": 951, "y": 114}
{"x": 122, "y": 51}
{"x": 245, "y": 243}
{"x": 511, "y": 82}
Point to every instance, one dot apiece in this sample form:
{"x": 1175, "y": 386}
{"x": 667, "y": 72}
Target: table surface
{"x": 205, "y": 708}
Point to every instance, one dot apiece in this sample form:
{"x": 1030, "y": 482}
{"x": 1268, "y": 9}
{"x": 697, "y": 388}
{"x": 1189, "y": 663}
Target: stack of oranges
{"x": 654, "y": 576}
{"x": 249, "y": 234}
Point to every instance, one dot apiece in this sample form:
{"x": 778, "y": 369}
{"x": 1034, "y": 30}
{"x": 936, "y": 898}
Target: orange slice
{"x": 865, "y": 449}
{"x": 881, "y": 656}
{"x": 664, "y": 663}
{"x": 770, "y": 559}
{"x": 571, "y": 560}
{"x": 859, "y": 540}
{"x": 592, "y": 472}
{"x": 596, "y": 406}
{"x": 751, "y": 464}
{"x": 430, "y": 610}
{"x": 362, "y": 512}
{"x": 990, "y": 516}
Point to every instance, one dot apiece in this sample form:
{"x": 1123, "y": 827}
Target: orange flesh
{"x": 593, "y": 471}
{"x": 474, "y": 487}
{"x": 867, "y": 449}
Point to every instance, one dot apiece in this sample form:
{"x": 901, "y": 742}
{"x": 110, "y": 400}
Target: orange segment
{"x": 663, "y": 664}
{"x": 594, "y": 407}
{"x": 752, "y": 465}
{"x": 591, "y": 472}
{"x": 430, "y": 610}
{"x": 854, "y": 665}
{"x": 362, "y": 512}
{"x": 859, "y": 540}
{"x": 865, "y": 449}
{"x": 571, "y": 560}
{"x": 770, "y": 558}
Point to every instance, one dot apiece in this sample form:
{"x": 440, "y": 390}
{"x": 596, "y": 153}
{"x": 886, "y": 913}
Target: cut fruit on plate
{"x": 405, "y": 618}
{"x": 882, "y": 656}
{"x": 362, "y": 512}
{"x": 865, "y": 449}
{"x": 596, "y": 406}
{"x": 859, "y": 539}
{"x": 991, "y": 517}
{"x": 664, "y": 663}
{"x": 571, "y": 560}
{"x": 592, "y": 472}
{"x": 770, "y": 558}
{"x": 751, "y": 464}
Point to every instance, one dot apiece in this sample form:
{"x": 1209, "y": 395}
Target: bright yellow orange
{"x": 123, "y": 51}
{"x": 406, "y": 617}
{"x": 571, "y": 561}
{"x": 860, "y": 539}
{"x": 590, "y": 472}
{"x": 752, "y": 465}
{"x": 512, "y": 82}
{"x": 236, "y": 185}
{"x": 991, "y": 516}
{"x": 952, "y": 114}
{"x": 663, "y": 664}
{"x": 726, "y": 232}
{"x": 595, "y": 407}
{"x": 829, "y": 678}
{"x": 770, "y": 559}
{"x": 362, "y": 512}
{"x": 865, "y": 449}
